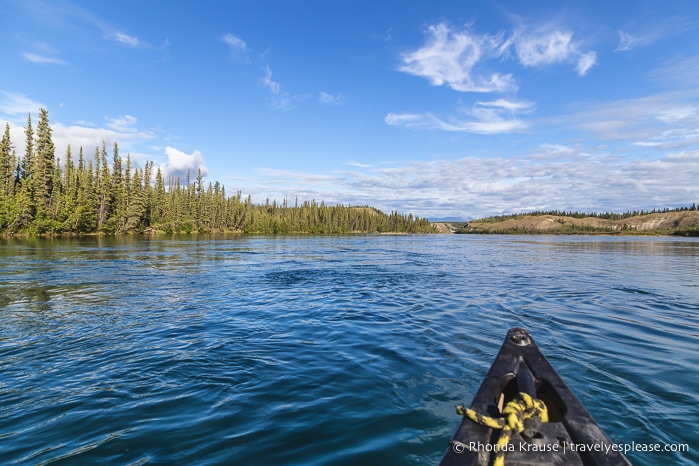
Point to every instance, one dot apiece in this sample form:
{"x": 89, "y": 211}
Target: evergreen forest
{"x": 577, "y": 214}
{"x": 105, "y": 193}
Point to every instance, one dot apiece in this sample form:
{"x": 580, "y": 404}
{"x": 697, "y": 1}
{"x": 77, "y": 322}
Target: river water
{"x": 330, "y": 350}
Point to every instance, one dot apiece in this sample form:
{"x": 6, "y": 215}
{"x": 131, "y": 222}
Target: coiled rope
{"x": 521, "y": 408}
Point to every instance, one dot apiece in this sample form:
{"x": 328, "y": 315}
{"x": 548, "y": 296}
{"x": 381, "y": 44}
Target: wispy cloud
{"x": 455, "y": 57}
{"x": 626, "y": 42}
{"x": 662, "y": 118}
{"x": 281, "y": 98}
{"x": 236, "y": 45}
{"x": 430, "y": 121}
{"x": 14, "y": 109}
{"x": 42, "y": 59}
{"x": 273, "y": 86}
{"x": 636, "y": 35}
{"x": 585, "y": 62}
{"x": 492, "y": 117}
{"x": 678, "y": 71}
{"x": 123, "y": 124}
{"x": 554, "y": 47}
{"x": 114, "y": 34}
{"x": 449, "y": 57}
{"x": 354, "y": 163}
{"x": 509, "y": 105}
{"x": 18, "y": 104}
{"x": 73, "y": 22}
{"x": 285, "y": 176}
{"x": 550, "y": 177}
{"x": 122, "y": 130}
{"x": 125, "y": 39}
{"x": 131, "y": 140}
{"x": 452, "y": 56}
{"x": 330, "y": 99}
{"x": 557, "y": 46}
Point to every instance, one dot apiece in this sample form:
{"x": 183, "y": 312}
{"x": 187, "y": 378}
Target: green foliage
{"x": 494, "y": 225}
{"x": 576, "y": 214}
{"x": 39, "y": 195}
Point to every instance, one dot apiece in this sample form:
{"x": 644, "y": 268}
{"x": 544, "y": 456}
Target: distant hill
{"x": 680, "y": 223}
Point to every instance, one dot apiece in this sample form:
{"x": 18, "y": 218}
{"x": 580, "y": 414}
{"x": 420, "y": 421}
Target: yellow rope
{"x": 522, "y": 407}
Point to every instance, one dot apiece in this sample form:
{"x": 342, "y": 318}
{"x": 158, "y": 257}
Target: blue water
{"x": 330, "y": 350}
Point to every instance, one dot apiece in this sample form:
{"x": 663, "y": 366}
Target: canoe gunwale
{"x": 521, "y": 367}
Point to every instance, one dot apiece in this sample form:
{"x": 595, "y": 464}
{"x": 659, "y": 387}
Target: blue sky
{"x": 440, "y": 109}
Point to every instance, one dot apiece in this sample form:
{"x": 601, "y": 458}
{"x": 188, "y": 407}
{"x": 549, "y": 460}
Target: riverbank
{"x": 685, "y": 223}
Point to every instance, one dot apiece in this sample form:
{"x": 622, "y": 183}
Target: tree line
{"x": 105, "y": 193}
{"x": 600, "y": 215}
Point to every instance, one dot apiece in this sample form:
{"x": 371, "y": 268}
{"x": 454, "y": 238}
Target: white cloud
{"x": 354, "y": 163}
{"x": 403, "y": 119}
{"x": 677, "y": 114}
{"x": 662, "y": 118}
{"x": 553, "y": 176}
{"x": 123, "y": 124}
{"x": 450, "y": 56}
{"x": 493, "y": 117}
{"x": 678, "y": 71}
{"x": 122, "y": 130}
{"x": 126, "y": 39}
{"x": 326, "y": 98}
{"x": 554, "y": 47}
{"x": 128, "y": 138}
{"x": 536, "y": 50}
{"x": 284, "y": 176}
{"x": 645, "y": 34}
{"x": 554, "y": 152}
{"x": 180, "y": 163}
{"x": 508, "y": 105}
{"x": 18, "y": 104}
{"x": 42, "y": 60}
{"x": 626, "y": 42}
{"x": 491, "y": 127}
{"x": 235, "y": 43}
{"x": 281, "y": 98}
{"x": 585, "y": 62}
{"x": 432, "y": 122}
{"x": 273, "y": 86}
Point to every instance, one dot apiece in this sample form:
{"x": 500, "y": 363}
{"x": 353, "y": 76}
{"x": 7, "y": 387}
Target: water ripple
{"x": 329, "y": 350}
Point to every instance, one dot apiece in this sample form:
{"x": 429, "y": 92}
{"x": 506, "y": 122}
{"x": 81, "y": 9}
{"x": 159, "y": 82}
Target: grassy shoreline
{"x": 678, "y": 223}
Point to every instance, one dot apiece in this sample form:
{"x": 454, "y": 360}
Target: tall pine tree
{"x": 7, "y": 178}
{"x": 45, "y": 165}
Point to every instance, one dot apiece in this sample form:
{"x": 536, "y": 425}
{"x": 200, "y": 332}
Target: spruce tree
{"x": 37, "y": 195}
{"x": 159, "y": 199}
{"x": 28, "y": 160}
{"x": 148, "y": 194}
{"x": 7, "y": 178}
{"x": 45, "y": 164}
{"x": 104, "y": 188}
{"x": 26, "y": 207}
{"x": 118, "y": 208}
{"x": 69, "y": 191}
{"x": 137, "y": 207}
